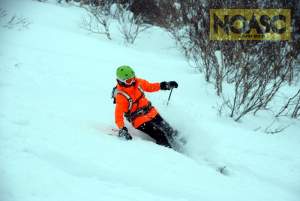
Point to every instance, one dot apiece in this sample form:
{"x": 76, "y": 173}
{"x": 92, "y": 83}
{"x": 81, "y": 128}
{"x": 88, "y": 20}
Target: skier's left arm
{"x": 147, "y": 86}
{"x": 120, "y": 109}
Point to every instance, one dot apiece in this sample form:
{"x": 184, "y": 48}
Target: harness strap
{"x": 141, "y": 96}
{"x": 130, "y": 101}
{"x": 139, "y": 112}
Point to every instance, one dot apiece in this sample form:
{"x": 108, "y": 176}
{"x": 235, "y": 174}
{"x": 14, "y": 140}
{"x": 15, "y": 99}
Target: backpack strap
{"x": 115, "y": 92}
{"x": 141, "y": 90}
{"x": 129, "y": 99}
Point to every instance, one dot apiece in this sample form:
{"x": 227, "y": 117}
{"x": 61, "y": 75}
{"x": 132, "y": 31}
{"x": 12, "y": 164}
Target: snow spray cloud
{"x": 250, "y": 24}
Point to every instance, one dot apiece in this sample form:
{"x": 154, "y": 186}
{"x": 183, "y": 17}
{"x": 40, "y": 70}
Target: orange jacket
{"x": 122, "y": 103}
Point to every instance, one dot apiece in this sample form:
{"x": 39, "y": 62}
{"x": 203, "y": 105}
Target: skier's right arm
{"x": 121, "y": 108}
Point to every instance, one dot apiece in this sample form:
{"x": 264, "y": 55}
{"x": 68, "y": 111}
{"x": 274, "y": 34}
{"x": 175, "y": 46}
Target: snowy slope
{"x": 55, "y": 85}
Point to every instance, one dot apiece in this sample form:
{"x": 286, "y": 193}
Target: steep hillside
{"x": 56, "y": 114}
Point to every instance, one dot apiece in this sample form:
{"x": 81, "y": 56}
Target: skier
{"x": 131, "y": 102}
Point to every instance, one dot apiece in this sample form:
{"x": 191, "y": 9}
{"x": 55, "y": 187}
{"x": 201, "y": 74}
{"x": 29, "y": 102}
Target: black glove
{"x": 168, "y": 85}
{"x": 123, "y": 133}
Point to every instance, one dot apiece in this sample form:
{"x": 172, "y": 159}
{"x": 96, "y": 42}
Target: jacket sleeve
{"x": 121, "y": 108}
{"x": 149, "y": 87}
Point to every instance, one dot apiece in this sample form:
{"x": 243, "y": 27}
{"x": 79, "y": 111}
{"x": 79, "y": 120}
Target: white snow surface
{"x": 55, "y": 86}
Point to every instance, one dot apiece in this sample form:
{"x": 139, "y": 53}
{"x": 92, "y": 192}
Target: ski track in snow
{"x": 56, "y": 114}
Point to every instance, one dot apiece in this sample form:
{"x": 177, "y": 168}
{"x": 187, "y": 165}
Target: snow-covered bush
{"x": 100, "y": 14}
{"x": 97, "y": 19}
{"x": 292, "y": 107}
{"x": 13, "y": 21}
{"x": 255, "y": 69}
{"x": 130, "y": 25}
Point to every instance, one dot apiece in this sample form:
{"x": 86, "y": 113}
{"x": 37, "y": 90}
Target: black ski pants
{"x": 159, "y": 130}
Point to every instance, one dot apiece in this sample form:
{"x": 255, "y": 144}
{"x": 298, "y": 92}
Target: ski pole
{"x": 169, "y": 96}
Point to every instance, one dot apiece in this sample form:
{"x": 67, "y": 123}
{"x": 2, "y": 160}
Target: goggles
{"x": 128, "y": 81}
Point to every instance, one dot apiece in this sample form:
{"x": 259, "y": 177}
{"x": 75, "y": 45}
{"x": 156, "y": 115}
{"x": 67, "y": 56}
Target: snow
{"x": 55, "y": 85}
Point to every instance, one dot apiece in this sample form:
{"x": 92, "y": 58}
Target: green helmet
{"x": 125, "y": 73}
